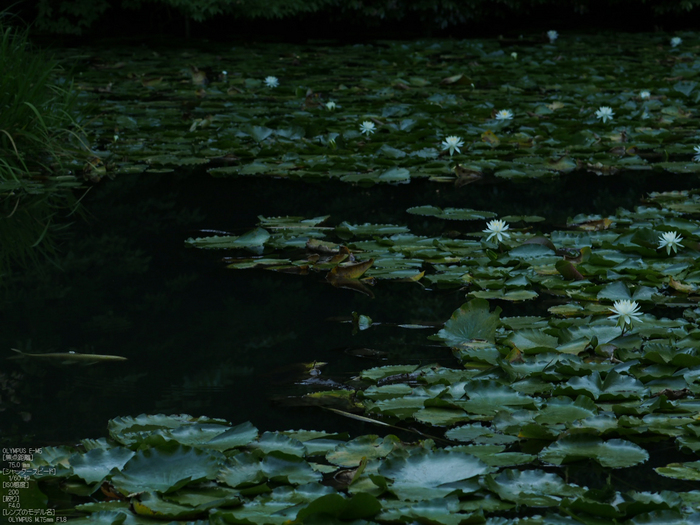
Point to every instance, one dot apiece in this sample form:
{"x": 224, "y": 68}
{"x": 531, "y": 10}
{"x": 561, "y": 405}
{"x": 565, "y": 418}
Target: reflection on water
{"x": 204, "y": 340}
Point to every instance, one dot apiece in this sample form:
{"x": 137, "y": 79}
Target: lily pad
{"x": 614, "y": 453}
{"x": 167, "y": 469}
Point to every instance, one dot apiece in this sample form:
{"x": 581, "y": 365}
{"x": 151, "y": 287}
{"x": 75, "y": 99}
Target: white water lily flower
{"x": 676, "y": 41}
{"x": 670, "y": 241}
{"x": 626, "y": 311}
{"x": 696, "y": 158}
{"x": 272, "y": 82}
{"x": 644, "y": 95}
{"x": 330, "y": 105}
{"x": 604, "y": 113}
{"x": 552, "y": 35}
{"x": 498, "y": 229}
{"x": 452, "y": 143}
{"x": 504, "y": 114}
{"x": 367, "y": 127}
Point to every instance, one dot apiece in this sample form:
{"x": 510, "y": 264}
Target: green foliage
{"x": 76, "y": 16}
{"x": 165, "y": 476}
{"x": 68, "y": 17}
{"x": 35, "y": 147}
{"x": 202, "y": 10}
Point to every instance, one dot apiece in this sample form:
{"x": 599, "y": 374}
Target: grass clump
{"x": 38, "y": 148}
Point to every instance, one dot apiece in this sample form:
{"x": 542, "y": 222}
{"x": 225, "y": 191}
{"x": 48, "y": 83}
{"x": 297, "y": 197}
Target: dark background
{"x": 345, "y": 21}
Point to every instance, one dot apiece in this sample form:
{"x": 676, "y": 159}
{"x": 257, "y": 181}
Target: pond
{"x": 246, "y": 244}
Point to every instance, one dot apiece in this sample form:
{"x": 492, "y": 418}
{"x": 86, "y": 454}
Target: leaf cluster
{"x": 38, "y": 143}
{"x": 76, "y": 16}
{"x": 206, "y": 471}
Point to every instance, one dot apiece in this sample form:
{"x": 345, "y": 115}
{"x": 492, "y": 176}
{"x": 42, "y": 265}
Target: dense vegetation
{"x": 81, "y": 16}
{"x": 39, "y": 145}
{"x": 550, "y": 409}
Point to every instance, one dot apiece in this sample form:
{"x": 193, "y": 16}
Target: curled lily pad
{"x": 234, "y": 437}
{"x": 96, "y": 464}
{"x": 130, "y": 430}
{"x": 167, "y": 469}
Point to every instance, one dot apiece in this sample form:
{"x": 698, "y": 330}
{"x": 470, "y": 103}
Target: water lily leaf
{"x": 254, "y": 239}
{"x": 513, "y": 174}
{"x": 350, "y": 454}
{"x": 689, "y": 471}
{"x": 439, "y": 416}
{"x": 566, "y": 310}
{"x": 454, "y": 214}
{"x": 390, "y": 152}
{"x": 288, "y": 469}
{"x": 565, "y": 410}
{"x": 615, "y": 453}
{"x": 151, "y": 505}
{"x": 568, "y": 270}
{"x": 55, "y": 457}
{"x": 619, "y": 291}
{"x": 274, "y": 441}
{"x": 479, "y": 434}
{"x": 519, "y": 295}
{"x": 243, "y": 470}
{"x": 615, "y": 386}
{"x": 531, "y": 251}
{"x": 263, "y": 510}
{"x": 487, "y": 397}
{"x": 292, "y": 133}
{"x": 602, "y": 333}
{"x": 535, "y": 488}
{"x": 457, "y": 79}
{"x": 430, "y": 474}
{"x": 418, "y": 81}
{"x": 564, "y": 164}
{"x": 104, "y": 517}
{"x": 359, "y": 506}
{"x": 96, "y": 464}
{"x": 396, "y": 175}
{"x": 291, "y": 223}
{"x": 662, "y": 517}
{"x": 205, "y": 497}
{"x": 686, "y": 87}
{"x": 259, "y": 133}
{"x": 575, "y": 346}
{"x": 234, "y": 437}
{"x": 130, "y": 430}
{"x": 472, "y": 321}
{"x": 167, "y": 469}
{"x": 535, "y": 240}
{"x": 195, "y": 434}
{"x": 383, "y": 372}
{"x": 533, "y": 341}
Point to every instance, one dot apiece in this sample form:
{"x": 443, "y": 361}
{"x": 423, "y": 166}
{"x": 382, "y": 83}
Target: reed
{"x": 40, "y": 143}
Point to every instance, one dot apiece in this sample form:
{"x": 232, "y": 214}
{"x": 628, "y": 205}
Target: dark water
{"x": 204, "y": 340}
